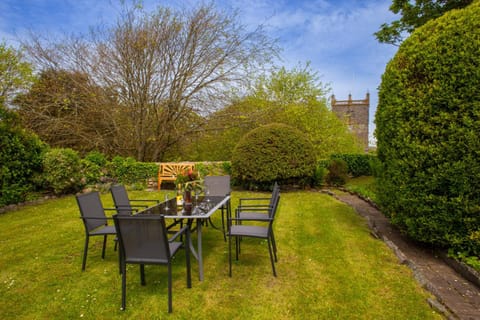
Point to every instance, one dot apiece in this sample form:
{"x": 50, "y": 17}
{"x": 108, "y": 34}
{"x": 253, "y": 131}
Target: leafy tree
{"x": 67, "y": 111}
{"x": 167, "y": 68}
{"x": 414, "y": 15}
{"x": 427, "y": 127}
{"x": 15, "y": 74}
{"x": 294, "y": 97}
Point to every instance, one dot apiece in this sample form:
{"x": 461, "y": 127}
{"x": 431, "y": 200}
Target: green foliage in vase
{"x": 428, "y": 122}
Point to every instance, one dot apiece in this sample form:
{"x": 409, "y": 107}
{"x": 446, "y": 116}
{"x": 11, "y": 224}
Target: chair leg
{"x": 223, "y": 225}
{"x": 187, "y": 258}
{"x": 124, "y": 286}
{"x": 104, "y": 246}
{"x": 170, "y": 288}
{"x": 237, "y": 247}
{"x": 274, "y": 244}
{"x": 142, "y": 274}
{"x": 85, "y": 250}
{"x": 271, "y": 257}
{"x": 230, "y": 254}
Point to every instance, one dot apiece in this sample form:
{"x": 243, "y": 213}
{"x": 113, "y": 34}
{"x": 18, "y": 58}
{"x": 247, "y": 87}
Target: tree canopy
{"x": 295, "y": 97}
{"x": 165, "y": 69}
{"x": 414, "y": 15}
{"x": 15, "y": 73}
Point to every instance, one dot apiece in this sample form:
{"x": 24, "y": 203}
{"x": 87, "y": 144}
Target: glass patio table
{"x": 200, "y": 211}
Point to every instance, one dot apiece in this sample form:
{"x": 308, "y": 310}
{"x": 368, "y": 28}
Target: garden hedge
{"x": 21, "y": 154}
{"x": 428, "y": 133}
{"x": 273, "y": 152}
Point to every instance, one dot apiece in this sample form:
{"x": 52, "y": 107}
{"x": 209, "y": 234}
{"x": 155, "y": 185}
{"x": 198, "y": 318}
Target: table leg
{"x": 199, "y": 249}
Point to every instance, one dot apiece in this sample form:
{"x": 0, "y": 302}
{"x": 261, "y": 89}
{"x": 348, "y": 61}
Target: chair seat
{"x": 250, "y": 231}
{"x": 253, "y": 216}
{"x": 103, "y": 230}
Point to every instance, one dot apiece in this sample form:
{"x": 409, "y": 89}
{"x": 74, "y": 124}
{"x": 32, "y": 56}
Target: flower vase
{"x": 187, "y": 196}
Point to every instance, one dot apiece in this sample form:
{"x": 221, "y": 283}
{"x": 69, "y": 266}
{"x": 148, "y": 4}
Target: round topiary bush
{"x": 428, "y": 132}
{"x": 274, "y": 152}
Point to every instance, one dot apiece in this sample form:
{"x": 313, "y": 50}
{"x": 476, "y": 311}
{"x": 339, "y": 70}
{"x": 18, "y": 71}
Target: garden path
{"x": 455, "y": 296}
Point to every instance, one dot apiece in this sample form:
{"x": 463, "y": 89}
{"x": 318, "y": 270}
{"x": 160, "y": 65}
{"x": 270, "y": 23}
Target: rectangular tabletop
{"x": 203, "y": 208}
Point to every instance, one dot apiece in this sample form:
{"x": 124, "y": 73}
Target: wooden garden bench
{"x": 168, "y": 171}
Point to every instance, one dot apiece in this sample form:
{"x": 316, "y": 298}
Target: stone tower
{"x": 355, "y": 114}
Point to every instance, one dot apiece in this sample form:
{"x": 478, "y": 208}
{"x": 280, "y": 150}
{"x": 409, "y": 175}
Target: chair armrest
{"x": 253, "y": 199}
{"x": 259, "y": 207}
{"x": 146, "y": 200}
{"x": 137, "y": 206}
{"x": 178, "y": 233}
{"x": 92, "y": 218}
{"x": 240, "y": 219}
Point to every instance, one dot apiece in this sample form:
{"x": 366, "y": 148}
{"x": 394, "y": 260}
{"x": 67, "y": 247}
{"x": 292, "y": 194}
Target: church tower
{"x": 355, "y": 114}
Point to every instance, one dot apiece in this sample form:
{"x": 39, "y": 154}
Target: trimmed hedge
{"x": 129, "y": 171}
{"x": 358, "y": 164}
{"x": 274, "y": 152}
{"x": 428, "y": 137}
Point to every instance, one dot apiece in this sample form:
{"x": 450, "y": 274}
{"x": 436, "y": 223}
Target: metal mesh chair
{"x": 143, "y": 240}
{"x": 94, "y": 221}
{"x": 240, "y": 230}
{"x": 123, "y": 204}
{"x": 218, "y": 186}
{"x": 257, "y": 209}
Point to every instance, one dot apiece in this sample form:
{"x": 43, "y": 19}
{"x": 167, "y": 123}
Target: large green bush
{"x": 428, "y": 131}
{"x": 274, "y": 152}
{"x": 20, "y": 159}
{"x": 62, "y": 171}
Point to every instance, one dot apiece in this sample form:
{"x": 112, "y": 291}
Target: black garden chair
{"x": 218, "y": 186}
{"x": 143, "y": 240}
{"x": 94, "y": 221}
{"x": 258, "y": 209}
{"x": 240, "y": 229}
{"x": 124, "y": 204}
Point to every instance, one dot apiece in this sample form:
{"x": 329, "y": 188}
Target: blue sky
{"x": 336, "y": 36}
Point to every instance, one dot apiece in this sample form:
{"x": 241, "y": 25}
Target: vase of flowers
{"x": 189, "y": 181}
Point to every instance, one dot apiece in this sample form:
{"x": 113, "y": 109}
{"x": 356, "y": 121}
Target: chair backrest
{"x": 275, "y": 193}
{"x": 91, "y": 210}
{"x": 217, "y": 185}
{"x": 120, "y": 199}
{"x": 274, "y": 200}
{"x": 143, "y": 238}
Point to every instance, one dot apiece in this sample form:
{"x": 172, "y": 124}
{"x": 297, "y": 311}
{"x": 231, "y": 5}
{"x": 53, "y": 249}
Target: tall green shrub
{"x": 428, "y": 134}
{"x": 94, "y": 167}
{"x": 20, "y": 159}
{"x": 62, "y": 171}
{"x": 274, "y": 152}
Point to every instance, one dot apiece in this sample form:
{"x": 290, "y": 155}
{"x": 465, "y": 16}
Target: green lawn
{"x": 364, "y": 185}
{"x": 329, "y": 268}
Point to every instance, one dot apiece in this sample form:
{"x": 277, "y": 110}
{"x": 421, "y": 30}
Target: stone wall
{"x": 355, "y": 114}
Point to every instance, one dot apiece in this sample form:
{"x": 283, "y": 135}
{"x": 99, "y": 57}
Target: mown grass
{"x": 364, "y": 185}
{"x": 329, "y": 268}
